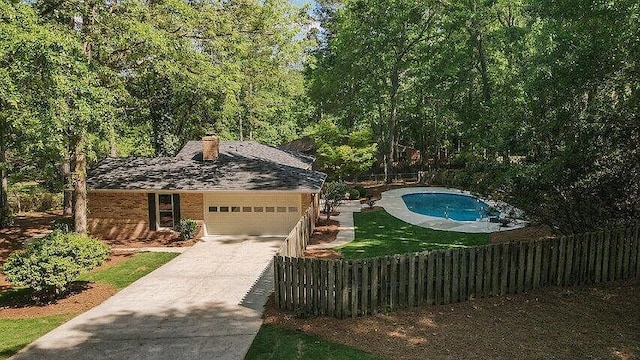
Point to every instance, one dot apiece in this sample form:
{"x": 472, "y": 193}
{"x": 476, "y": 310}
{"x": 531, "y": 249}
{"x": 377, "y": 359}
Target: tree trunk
{"x": 4, "y": 183}
{"x": 67, "y": 201}
{"x": 79, "y": 186}
{"x": 113, "y": 149}
{"x": 393, "y": 119}
{"x": 4, "y": 191}
{"x": 240, "y": 126}
{"x": 250, "y": 103}
{"x": 482, "y": 56}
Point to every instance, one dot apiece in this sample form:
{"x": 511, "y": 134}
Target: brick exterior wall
{"x": 125, "y": 215}
{"x": 192, "y": 206}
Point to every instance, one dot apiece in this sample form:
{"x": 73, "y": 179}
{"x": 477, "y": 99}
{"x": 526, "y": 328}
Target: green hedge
{"x": 49, "y": 264}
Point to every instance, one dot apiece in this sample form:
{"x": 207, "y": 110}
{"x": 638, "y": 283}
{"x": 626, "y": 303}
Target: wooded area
{"x": 471, "y": 84}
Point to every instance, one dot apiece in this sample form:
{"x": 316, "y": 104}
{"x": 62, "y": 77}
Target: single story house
{"x": 229, "y": 187}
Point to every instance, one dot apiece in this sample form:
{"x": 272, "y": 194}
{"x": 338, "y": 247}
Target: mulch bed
{"x": 324, "y": 232}
{"x": 167, "y": 241}
{"x": 600, "y": 322}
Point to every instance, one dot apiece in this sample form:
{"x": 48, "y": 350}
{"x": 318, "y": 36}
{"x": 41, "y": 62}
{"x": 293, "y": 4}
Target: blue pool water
{"x": 449, "y": 206}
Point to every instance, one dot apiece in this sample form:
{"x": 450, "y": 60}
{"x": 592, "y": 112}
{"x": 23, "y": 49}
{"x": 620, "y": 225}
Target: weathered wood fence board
{"x": 297, "y": 240}
{"x": 344, "y": 288}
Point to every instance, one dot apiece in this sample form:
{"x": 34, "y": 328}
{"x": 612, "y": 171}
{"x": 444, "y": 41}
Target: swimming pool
{"x": 458, "y": 207}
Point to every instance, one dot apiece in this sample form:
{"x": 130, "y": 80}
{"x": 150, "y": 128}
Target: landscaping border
{"x": 344, "y": 288}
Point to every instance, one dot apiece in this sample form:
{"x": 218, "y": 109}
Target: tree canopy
{"x": 534, "y": 99}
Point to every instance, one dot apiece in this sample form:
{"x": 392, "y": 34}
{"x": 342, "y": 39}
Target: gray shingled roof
{"x": 241, "y": 165}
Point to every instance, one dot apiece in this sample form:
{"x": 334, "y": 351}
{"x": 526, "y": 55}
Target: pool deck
{"x": 392, "y": 202}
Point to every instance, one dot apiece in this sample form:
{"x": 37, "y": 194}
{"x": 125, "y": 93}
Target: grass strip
{"x": 277, "y": 343}
{"x": 123, "y": 274}
{"x": 377, "y": 234}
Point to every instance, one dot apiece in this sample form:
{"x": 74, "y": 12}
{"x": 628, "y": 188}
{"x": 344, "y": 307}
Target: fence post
{"x": 464, "y": 275}
{"x": 504, "y": 269}
{"x": 606, "y": 254}
{"x": 331, "y": 287}
{"x": 431, "y": 264}
{"x": 374, "y": 286}
{"x": 537, "y": 264}
{"x": 421, "y": 278}
{"x": 480, "y": 272}
{"x": 446, "y": 286}
{"x": 455, "y": 276}
{"x": 276, "y": 281}
{"x": 412, "y": 281}
{"x": 494, "y": 289}
{"x": 364, "y": 285}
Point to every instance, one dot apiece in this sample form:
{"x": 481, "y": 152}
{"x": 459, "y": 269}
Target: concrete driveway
{"x": 204, "y": 304}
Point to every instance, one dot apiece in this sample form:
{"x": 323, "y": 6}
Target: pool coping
{"x": 392, "y": 202}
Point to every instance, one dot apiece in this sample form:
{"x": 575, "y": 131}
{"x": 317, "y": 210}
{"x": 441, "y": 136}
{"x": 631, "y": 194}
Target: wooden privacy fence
{"x": 345, "y": 288}
{"x": 298, "y": 238}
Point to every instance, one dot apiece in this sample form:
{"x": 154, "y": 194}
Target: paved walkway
{"x": 346, "y": 231}
{"x": 204, "y": 304}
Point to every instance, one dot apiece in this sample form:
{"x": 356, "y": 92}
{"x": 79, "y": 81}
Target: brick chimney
{"x": 210, "y": 147}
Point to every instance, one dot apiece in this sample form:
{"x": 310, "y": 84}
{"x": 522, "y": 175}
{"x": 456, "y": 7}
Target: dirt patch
{"x": 322, "y": 254}
{"x": 25, "y": 227}
{"x": 82, "y": 297}
{"x": 523, "y": 234}
{"x": 600, "y": 322}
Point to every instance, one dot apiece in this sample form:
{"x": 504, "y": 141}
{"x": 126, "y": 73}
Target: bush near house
{"x": 187, "y": 229}
{"x": 49, "y": 264}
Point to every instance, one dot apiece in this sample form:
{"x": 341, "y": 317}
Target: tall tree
{"x": 373, "y": 50}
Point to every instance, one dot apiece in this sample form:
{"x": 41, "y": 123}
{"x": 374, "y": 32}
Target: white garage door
{"x": 255, "y": 214}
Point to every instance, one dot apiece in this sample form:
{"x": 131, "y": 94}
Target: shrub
{"x": 333, "y": 194}
{"x": 187, "y": 229}
{"x": 354, "y": 194}
{"x": 64, "y": 225}
{"x": 361, "y": 190}
{"x": 49, "y": 264}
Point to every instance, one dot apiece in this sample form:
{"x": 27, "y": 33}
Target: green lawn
{"x": 126, "y": 272}
{"x": 379, "y": 234}
{"x": 17, "y": 333}
{"x": 276, "y": 343}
